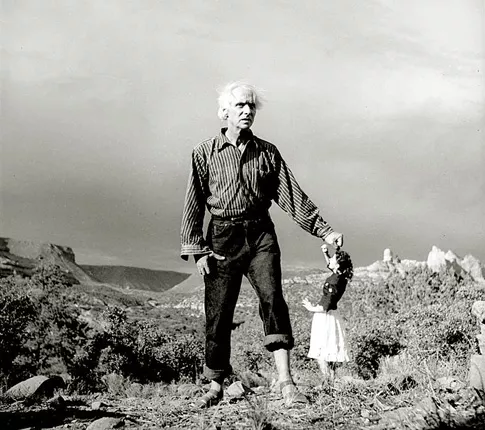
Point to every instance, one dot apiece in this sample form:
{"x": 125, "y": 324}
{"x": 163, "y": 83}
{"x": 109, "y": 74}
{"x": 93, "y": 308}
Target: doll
{"x": 327, "y": 341}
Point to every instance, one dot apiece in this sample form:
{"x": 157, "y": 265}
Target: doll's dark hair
{"x": 346, "y": 268}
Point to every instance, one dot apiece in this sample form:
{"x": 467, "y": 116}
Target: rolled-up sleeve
{"x": 191, "y": 235}
{"x": 291, "y": 198}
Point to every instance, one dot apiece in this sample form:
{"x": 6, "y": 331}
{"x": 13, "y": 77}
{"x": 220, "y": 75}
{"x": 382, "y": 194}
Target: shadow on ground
{"x": 48, "y": 418}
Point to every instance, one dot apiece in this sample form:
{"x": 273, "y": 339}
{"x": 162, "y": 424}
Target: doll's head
{"x": 341, "y": 264}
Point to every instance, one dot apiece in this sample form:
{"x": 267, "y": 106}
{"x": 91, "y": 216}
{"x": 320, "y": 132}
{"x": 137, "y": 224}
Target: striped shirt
{"x": 232, "y": 181}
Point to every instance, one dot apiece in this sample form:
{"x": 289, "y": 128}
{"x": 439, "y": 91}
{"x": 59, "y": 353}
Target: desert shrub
{"x": 439, "y": 330}
{"x": 139, "y": 350}
{"x": 17, "y": 312}
{"x": 370, "y": 344}
{"x": 420, "y": 287}
{"x": 58, "y": 331}
{"x": 431, "y": 310}
{"x": 39, "y": 330}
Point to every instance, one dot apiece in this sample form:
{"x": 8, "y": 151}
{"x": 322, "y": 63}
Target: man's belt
{"x": 243, "y": 217}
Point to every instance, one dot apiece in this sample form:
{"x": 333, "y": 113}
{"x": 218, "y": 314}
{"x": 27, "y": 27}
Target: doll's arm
{"x": 318, "y": 309}
{"x": 324, "y": 248}
{"x": 309, "y": 307}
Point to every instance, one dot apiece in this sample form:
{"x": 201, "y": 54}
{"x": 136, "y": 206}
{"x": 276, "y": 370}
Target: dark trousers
{"x": 250, "y": 248}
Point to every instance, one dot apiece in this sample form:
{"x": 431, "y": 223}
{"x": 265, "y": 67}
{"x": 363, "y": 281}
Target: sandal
{"x": 290, "y": 393}
{"x": 211, "y": 398}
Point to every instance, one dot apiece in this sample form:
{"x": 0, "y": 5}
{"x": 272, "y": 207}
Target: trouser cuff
{"x": 213, "y": 374}
{"x": 273, "y": 342}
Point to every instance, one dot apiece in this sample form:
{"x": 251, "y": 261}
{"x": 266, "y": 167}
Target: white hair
{"x": 226, "y": 96}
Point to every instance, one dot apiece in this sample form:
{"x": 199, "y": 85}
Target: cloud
{"x": 378, "y": 110}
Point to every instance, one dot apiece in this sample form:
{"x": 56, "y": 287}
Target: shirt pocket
{"x": 261, "y": 181}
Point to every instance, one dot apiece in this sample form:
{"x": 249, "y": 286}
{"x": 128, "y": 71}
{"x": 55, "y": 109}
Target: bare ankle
{"x": 216, "y": 385}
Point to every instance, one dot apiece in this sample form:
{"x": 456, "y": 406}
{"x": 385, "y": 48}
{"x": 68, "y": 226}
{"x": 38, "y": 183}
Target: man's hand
{"x": 203, "y": 263}
{"x": 335, "y": 239}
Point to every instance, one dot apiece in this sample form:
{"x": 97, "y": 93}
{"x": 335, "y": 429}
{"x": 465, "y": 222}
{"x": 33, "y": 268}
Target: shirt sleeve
{"x": 291, "y": 198}
{"x": 191, "y": 235}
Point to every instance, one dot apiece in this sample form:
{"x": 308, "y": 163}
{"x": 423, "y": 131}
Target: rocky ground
{"x": 345, "y": 404}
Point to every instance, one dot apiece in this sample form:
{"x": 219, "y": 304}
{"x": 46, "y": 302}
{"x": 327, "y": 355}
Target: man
{"x": 236, "y": 175}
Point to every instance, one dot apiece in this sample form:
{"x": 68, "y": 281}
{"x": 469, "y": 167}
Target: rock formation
{"x": 472, "y": 266}
{"x": 437, "y": 260}
{"x": 387, "y": 257}
{"x": 21, "y": 257}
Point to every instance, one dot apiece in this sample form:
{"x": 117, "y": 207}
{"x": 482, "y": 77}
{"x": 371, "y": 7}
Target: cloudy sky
{"x": 377, "y": 106}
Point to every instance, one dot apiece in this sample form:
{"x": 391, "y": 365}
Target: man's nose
{"x": 246, "y": 109}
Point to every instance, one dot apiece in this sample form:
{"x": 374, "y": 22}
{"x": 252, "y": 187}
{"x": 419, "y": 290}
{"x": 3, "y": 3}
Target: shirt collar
{"x": 222, "y": 140}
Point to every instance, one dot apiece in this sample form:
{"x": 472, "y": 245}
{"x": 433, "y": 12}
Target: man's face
{"x": 242, "y": 110}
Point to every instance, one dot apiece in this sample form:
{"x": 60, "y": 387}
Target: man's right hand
{"x": 335, "y": 239}
{"x": 203, "y": 262}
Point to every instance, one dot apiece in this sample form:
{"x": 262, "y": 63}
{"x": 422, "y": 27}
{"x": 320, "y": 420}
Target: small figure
{"x": 327, "y": 341}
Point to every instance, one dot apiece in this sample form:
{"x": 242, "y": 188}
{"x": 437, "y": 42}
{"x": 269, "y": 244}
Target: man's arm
{"x": 192, "y": 237}
{"x": 291, "y": 198}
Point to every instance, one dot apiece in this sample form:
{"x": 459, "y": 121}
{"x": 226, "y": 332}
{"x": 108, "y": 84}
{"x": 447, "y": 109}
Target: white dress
{"x": 327, "y": 341}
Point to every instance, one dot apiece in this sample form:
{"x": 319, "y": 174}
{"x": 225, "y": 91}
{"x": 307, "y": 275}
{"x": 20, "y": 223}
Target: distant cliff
{"x": 21, "y": 257}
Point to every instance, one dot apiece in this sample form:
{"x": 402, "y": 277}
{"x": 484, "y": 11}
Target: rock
{"x": 449, "y": 383}
{"x": 56, "y": 402}
{"x": 106, "y": 423}
{"x": 473, "y": 267}
{"x": 251, "y": 379}
{"x": 238, "y": 389}
{"x": 37, "y": 386}
{"x": 388, "y": 256}
{"x": 478, "y": 309}
{"x": 453, "y": 262}
{"x": 97, "y": 405}
{"x": 436, "y": 259}
{"x": 189, "y": 390}
{"x": 476, "y": 375}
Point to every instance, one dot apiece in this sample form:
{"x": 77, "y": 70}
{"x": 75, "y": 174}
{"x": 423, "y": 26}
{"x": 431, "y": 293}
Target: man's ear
{"x": 224, "y": 113}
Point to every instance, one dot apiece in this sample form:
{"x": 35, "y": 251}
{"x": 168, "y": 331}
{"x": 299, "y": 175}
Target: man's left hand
{"x": 335, "y": 239}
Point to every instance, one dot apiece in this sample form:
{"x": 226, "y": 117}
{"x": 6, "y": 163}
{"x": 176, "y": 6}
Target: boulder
{"x": 238, "y": 390}
{"x": 37, "y": 386}
{"x": 251, "y": 379}
{"x": 106, "y": 423}
{"x": 98, "y": 404}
